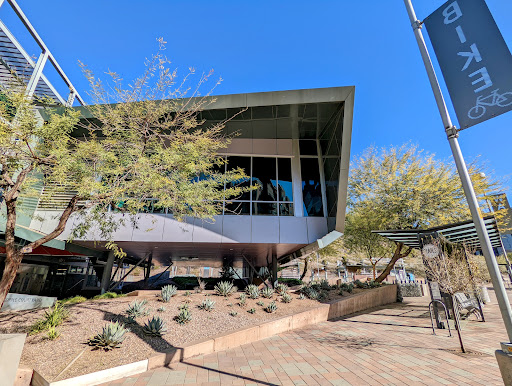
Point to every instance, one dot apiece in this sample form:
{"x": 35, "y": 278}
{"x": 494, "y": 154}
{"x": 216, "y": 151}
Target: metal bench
{"x": 470, "y": 305}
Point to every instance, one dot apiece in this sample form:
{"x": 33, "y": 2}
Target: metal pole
{"x": 452, "y": 134}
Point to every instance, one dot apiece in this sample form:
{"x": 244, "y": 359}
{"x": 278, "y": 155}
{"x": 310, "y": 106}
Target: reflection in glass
{"x": 265, "y": 209}
{"x": 237, "y": 207}
{"x": 244, "y": 163}
{"x": 311, "y": 187}
{"x": 286, "y": 210}
{"x": 284, "y": 169}
{"x": 264, "y": 177}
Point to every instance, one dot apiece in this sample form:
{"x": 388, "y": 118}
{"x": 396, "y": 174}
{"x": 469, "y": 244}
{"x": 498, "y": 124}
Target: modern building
{"x": 294, "y": 145}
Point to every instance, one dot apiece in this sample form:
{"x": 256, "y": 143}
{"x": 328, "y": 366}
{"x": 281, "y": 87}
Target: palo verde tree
{"x": 144, "y": 141}
{"x": 405, "y": 188}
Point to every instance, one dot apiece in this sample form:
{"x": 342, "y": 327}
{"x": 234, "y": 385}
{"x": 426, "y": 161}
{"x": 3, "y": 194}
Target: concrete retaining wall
{"x": 235, "y": 338}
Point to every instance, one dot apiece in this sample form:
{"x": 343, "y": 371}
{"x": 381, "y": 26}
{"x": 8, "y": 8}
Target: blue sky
{"x": 280, "y": 45}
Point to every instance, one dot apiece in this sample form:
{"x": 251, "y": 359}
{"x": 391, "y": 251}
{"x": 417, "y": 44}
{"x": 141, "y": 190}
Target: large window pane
{"x": 284, "y": 168}
{"x": 311, "y": 187}
{"x": 264, "y": 209}
{"x": 244, "y": 163}
{"x": 264, "y": 177}
{"x": 286, "y": 210}
{"x": 237, "y": 207}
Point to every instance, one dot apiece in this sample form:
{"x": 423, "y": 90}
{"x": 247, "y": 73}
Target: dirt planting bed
{"x": 52, "y": 358}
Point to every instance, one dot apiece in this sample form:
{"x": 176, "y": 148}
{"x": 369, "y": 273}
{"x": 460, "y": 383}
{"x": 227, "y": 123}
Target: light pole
{"x": 452, "y": 133}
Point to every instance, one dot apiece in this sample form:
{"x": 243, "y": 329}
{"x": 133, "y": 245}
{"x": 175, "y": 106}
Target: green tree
{"x": 144, "y": 141}
{"x": 406, "y": 188}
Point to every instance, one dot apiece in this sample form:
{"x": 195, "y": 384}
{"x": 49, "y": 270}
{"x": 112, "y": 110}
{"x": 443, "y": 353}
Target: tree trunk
{"x": 13, "y": 257}
{"x": 373, "y": 266}
{"x": 396, "y": 256}
{"x": 306, "y": 261}
{"x": 12, "y": 264}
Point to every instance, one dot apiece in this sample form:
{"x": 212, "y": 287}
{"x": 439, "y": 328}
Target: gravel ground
{"x": 86, "y": 319}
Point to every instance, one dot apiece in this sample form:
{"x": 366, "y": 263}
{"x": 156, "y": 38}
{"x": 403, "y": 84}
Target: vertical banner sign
{"x": 475, "y": 60}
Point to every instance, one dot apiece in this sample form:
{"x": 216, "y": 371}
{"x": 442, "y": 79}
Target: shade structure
{"x": 463, "y": 232}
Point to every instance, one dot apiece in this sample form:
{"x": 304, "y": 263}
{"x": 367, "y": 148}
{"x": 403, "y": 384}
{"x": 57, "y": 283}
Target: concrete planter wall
{"x": 235, "y": 338}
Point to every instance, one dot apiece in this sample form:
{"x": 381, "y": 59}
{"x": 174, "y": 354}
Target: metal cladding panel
{"x": 293, "y": 230}
{"x": 265, "y": 229}
{"x": 317, "y": 228}
{"x": 208, "y": 231}
{"x": 236, "y": 229}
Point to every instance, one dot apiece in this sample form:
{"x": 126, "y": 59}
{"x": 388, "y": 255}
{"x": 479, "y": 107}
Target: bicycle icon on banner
{"x": 493, "y": 99}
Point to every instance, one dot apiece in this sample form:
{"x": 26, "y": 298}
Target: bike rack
{"x": 430, "y": 308}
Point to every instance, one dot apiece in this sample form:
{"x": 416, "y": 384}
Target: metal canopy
{"x": 16, "y": 62}
{"x": 463, "y": 232}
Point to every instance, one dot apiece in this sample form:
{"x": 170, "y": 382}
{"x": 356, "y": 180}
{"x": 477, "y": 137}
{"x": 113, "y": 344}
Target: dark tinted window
{"x": 311, "y": 187}
{"x": 284, "y": 168}
{"x": 264, "y": 177}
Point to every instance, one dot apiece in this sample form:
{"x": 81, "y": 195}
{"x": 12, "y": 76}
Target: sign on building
{"x": 474, "y": 58}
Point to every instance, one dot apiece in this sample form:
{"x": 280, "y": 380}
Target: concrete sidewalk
{"x": 390, "y": 345}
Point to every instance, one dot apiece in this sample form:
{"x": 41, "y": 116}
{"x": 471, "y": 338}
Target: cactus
{"x": 253, "y": 291}
{"x": 184, "y": 316}
{"x": 267, "y": 293}
{"x": 260, "y": 303}
{"x": 242, "y": 300}
{"x": 110, "y": 338}
{"x": 168, "y": 292}
{"x": 281, "y": 289}
{"x": 225, "y": 288}
{"x": 286, "y": 298}
{"x": 137, "y": 309}
{"x": 252, "y": 311}
{"x": 272, "y": 307}
{"x": 154, "y": 327}
{"x": 207, "y": 305}
{"x": 302, "y": 296}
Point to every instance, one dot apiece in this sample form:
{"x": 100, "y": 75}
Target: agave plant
{"x": 302, "y": 296}
{"x": 225, "y": 288}
{"x": 184, "y": 316}
{"x": 207, "y": 305}
{"x": 267, "y": 292}
{"x": 252, "y": 291}
{"x": 310, "y": 292}
{"x": 233, "y": 313}
{"x": 286, "y": 298}
{"x": 161, "y": 309}
{"x": 154, "y": 327}
{"x": 110, "y": 338}
{"x": 252, "y": 311}
{"x": 260, "y": 303}
{"x": 168, "y": 292}
{"x": 242, "y": 300}
{"x": 137, "y": 309}
{"x": 281, "y": 289}
{"x": 272, "y": 307}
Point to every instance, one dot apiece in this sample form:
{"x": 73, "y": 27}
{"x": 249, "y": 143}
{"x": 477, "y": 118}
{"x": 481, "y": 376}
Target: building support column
{"x": 147, "y": 269}
{"x": 107, "y": 272}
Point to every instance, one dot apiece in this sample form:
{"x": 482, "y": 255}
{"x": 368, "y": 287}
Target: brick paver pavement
{"x": 390, "y": 345}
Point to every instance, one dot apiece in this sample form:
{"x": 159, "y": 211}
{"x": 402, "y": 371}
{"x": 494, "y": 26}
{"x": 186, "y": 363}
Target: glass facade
{"x": 271, "y": 178}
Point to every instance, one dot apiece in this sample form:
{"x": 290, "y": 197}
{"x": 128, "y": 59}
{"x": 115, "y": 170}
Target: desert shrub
{"x": 73, "y": 300}
{"x": 225, "y": 288}
{"x": 281, "y": 289}
{"x": 260, "y": 303}
{"x": 252, "y": 291}
{"x": 53, "y": 333}
{"x": 53, "y": 317}
{"x": 271, "y": 308}
{"x": 324, "y": 285}
{"x": 107, "y": 295}
{"x": 154, "y": 327}
{"x": 286, "y": 298}
{"x": 290, "y": 281}
{"x": 161, "y": 309}
{"x": 310, "y": 292}
{"x": 344, "y": 287}
{"x": 184, "y": 316}
{"x": 323, "y": 295}
{"x": 242, "y": 300}
{"x": 267, "y": 293}
{"x": 167, "y": 292}
{"x": 207, "y": 305}
{"x": 233, "y": 313}
{"x": 252, "y": 311}
{"x": 137, "y": 309}
{"x": 111, "y": 337}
